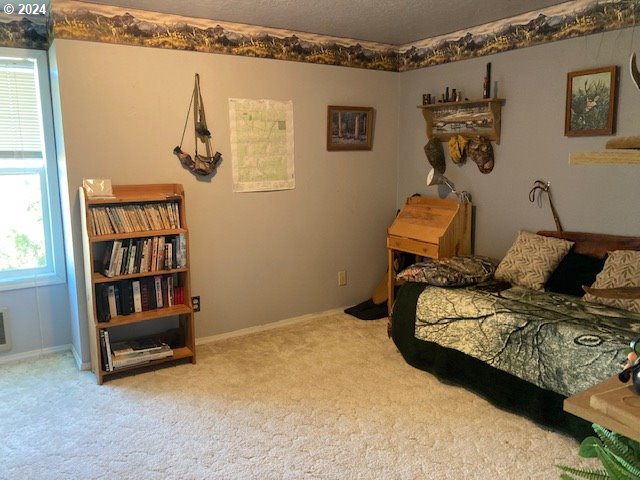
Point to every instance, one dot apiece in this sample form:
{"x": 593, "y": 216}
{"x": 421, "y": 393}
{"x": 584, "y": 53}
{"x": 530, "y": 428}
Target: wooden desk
{"x": 611, "y": 404}
{"x": 428, "y": 227}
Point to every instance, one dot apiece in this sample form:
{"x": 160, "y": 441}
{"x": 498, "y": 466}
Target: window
{"x": 31, "y": 248}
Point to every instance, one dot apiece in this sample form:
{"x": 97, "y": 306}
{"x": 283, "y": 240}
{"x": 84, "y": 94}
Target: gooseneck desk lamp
{"x": 436, "y": 178}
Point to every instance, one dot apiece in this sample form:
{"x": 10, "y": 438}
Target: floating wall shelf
{"x": 471, "y": 118}
{"x": 613, "y": 156}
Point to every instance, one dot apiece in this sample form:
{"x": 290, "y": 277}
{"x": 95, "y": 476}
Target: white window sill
{"x": 42, "y": 280}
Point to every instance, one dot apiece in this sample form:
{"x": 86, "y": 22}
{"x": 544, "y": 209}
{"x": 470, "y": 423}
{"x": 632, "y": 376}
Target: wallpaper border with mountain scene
{"x": 30, "y": 32}
{"x": 79, "y": 20}
{"x": 560, "y": 22}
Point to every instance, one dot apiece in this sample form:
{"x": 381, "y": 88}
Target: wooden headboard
{"x": 595, "y": 244}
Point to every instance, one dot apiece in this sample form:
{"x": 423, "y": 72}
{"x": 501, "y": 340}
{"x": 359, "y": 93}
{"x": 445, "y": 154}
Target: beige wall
{"x": 256, "y": 257}
{"x": 591, "y": 198}
{"x": 262, "y": 257}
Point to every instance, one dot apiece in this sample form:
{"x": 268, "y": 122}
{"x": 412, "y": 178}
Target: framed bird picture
{"x": 591, "y": 102}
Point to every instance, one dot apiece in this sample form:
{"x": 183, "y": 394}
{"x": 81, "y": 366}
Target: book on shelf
{"x": 114, "y": 220}
{"x": 111, "y": 219}
{"x": 147, "y": 294}
{"x": 154, "y": 254}
{"x": 168, "y": 255}
{"x": 132, "y": 258}
{"x": 94, "y": 227}
{"x": 137, "y": 295}
{"x": 136, "y": 352}
{"x": 137, "y": 261}
{"x": 126, "y": 361}
{"x": 170, "y": 291}
{"x": 158, "y": 290}
{"x": 182, "y": 245}
{"x": 125, "y": 288}
{"x": 141, "y": 255}
{"x": 122, "y": 252}
{"x": 131, "y": 352}
{"x": 144, "y": 256}
{"x": 151, "y": 217}
{"x": 124, "y": 266}
{"x": 100, "y": 225}
{"x": 110, "y": 265}
{"x": 137, "y": 298}
{"x": 107, "y": 343}
{"x": 178, "y": 295}
{"x": 137, "y": 346}
{"x": 161, "y": 252}
{"x": 112, "y": 302}
{"x": 103, "y": 351}
{"x": 102, "y": 303}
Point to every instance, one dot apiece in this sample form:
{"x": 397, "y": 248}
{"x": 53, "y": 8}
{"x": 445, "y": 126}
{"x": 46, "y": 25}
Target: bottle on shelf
{"x": 486, "y": 85}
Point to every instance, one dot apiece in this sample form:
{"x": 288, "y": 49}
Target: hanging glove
{"x": 481, "y": 152}
{"x": 457, "y": 148}
{"x": 435, "y": 155}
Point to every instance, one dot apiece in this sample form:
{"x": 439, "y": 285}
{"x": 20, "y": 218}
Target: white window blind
{"x": 20, "y": 118}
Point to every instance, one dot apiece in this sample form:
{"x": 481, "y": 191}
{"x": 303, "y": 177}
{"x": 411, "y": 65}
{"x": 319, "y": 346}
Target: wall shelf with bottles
{"x": 469, "y": 118}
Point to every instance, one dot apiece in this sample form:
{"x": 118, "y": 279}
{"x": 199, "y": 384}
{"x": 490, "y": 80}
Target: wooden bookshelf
{"x": 125, "y": 234}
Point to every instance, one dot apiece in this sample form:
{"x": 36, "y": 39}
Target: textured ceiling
{"x": 396, "y": 22}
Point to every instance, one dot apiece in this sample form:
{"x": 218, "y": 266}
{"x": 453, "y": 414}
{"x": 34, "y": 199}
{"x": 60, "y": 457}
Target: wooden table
{"x": 611, "y": 404}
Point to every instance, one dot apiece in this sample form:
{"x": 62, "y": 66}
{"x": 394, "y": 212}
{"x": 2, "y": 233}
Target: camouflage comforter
{"x": 557, "y": 342}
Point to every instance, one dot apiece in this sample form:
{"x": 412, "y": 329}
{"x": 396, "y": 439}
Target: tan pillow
{"x": 621, "y": 269}
{"x": 531, "y": 260}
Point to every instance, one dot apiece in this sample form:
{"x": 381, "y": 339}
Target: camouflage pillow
{"x": 450, "y": 272}
{"x": 621, "y": 269}
{"x": 531, "y": 260}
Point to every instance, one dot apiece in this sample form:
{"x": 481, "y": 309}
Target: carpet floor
{"x": 327, "y": 398}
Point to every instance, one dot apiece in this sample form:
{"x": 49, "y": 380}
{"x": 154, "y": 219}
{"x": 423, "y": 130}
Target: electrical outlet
{"x": 342, "y": 278}
{"x": 195, "y": 303}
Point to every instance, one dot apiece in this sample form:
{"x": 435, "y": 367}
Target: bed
{"x": 524, "y": 349}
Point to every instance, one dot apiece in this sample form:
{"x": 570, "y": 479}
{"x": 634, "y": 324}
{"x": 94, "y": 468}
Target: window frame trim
{"x": 55, "y": 272}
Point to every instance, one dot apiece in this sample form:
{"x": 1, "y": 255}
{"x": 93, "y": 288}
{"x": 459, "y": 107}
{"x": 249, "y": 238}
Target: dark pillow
{"x": 574, "y": 271}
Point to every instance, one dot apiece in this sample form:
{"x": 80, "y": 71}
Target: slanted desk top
{"x": 428, "y": 227}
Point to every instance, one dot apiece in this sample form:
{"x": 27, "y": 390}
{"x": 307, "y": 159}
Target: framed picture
{"x": 591, "y": 102}
{"x": 349, "y": 128}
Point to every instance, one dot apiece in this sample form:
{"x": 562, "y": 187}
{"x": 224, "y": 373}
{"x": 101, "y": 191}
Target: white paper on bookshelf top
{"x": 97, "y": 187}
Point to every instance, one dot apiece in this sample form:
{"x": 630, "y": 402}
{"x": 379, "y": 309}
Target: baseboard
{"x": 34, "y": 353}
{"x": 199, "y": 341}
{"x": 79, "y": 363}
{"x": 266, "y": 326}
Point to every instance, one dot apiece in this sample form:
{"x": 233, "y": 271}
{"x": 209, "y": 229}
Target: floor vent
{"x": 5, "y": 332}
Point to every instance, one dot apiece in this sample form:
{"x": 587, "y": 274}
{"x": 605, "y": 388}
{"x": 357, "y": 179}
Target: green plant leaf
{"x": 589, "y": 446}
{"x": 624, "y": 450}
{"x": 565, "y": 476}
{"x": 631, "y": 469}
{"x": 588, "y": 473}
{"x": 619, "y": 455}
{"x": 613, "y": 468}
